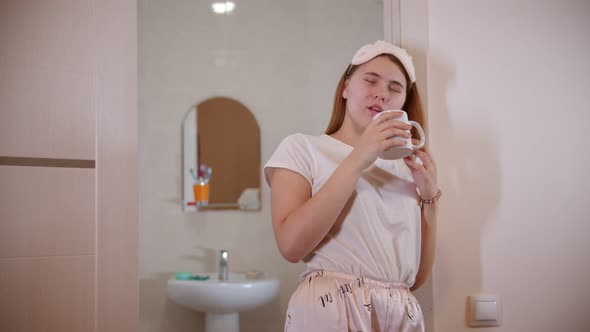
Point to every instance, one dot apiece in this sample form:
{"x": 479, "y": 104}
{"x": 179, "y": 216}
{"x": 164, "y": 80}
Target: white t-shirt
{"x": 379, "y": 233}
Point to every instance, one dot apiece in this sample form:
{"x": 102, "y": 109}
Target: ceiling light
{"x": 223, "y": 7}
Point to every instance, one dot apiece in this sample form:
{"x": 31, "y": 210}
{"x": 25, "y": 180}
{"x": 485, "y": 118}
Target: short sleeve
{"x": 293, "y": 154}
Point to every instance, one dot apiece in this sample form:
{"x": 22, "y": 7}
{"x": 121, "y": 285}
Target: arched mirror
{"x": 221, "y": 156}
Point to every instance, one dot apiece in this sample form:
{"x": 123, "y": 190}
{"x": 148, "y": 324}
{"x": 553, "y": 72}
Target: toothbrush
{"x": 208, "y": 174}
{"x": 202, "y": 170}
{"x": 204, "y": 173}
{"x": 192, "y": 171}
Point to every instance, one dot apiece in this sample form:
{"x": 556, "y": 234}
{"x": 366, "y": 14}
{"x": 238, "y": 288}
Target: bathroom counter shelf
{"x": 214, "y": 206}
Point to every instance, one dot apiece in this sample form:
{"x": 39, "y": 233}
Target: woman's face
{"x": 375, "y": 86}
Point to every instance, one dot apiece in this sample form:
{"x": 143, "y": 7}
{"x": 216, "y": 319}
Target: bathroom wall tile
{"x": 47, "y": 211}
{"x": 47, "y": 54}
{"x": 47, "y": 294}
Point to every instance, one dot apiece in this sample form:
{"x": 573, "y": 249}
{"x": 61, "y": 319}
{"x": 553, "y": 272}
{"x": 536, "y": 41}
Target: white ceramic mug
{"x": 399, "y": 152}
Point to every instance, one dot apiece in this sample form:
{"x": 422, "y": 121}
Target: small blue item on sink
{"x": 184, "y": 275}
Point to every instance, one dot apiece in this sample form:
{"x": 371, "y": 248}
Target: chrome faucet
{"x": 222, "y": 265}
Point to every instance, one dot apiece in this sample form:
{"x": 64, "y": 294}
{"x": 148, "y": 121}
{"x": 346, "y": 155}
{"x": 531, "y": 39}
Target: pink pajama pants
{"x": 331, "y": 301}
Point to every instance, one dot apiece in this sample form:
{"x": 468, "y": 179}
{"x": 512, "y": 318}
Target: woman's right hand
{"x": 380, "y": 134}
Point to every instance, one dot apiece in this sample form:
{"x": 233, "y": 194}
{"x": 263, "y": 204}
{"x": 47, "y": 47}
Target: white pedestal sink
{"x": 222, "y": 301}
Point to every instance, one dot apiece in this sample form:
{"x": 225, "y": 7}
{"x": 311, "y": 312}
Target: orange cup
{"x": 201, "y": 192}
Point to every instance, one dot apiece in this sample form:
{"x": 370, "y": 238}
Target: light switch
{"x": 484, "y": 310}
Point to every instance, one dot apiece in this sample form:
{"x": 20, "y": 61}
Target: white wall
{"x": 282, "y": 59}
{"x": 509, "y": 110}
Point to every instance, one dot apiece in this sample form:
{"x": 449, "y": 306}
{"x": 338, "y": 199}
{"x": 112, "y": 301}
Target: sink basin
{"x": 222, "y": 301}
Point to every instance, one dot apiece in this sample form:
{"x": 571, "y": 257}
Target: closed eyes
{"x": 373, "y": 78}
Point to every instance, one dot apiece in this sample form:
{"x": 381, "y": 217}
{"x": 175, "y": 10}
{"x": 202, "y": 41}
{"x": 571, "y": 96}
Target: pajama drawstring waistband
{"x": 356, "y": 279}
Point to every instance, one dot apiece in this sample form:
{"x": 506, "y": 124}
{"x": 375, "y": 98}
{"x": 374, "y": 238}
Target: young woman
{"x": 364, "y": 226}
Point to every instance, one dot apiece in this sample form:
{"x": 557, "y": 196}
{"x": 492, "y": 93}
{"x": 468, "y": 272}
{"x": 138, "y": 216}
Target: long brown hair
{"x": 412, "y": 105}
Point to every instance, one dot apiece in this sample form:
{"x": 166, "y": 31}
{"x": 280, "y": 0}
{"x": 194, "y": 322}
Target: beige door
{"x": 68, "y": 166}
